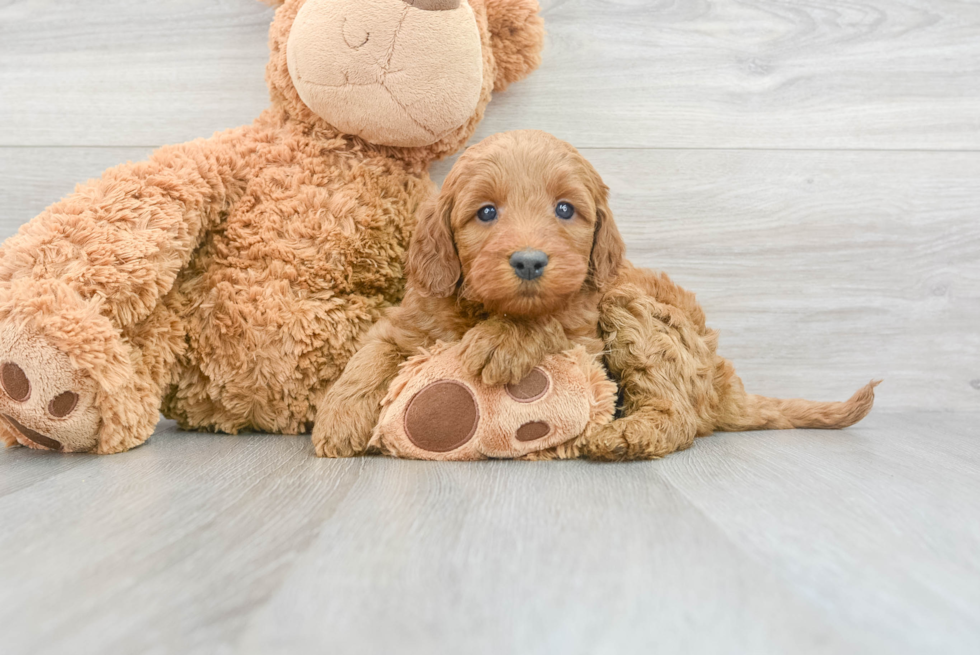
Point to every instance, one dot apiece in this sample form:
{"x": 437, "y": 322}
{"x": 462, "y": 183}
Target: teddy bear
{"x": 227, "y": 281}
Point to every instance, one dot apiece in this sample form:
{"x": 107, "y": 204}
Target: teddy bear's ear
{"x": 517, "y": 35}
{"x": 273, "y": 3}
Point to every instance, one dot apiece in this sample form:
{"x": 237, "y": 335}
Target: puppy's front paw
{"x": 503, "y": 369}
{"x": 341, "y": 431}
{"x": 475, "y": 350}
{"x": 333, "y": 445}
{"x": 493, "y": 356}
{"x": 502, "y": 352}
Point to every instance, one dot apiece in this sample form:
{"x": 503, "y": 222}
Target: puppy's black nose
{"x": 529, "y": 264}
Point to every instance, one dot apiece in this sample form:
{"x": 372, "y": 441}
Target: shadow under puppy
{"x": 519, "y": 257}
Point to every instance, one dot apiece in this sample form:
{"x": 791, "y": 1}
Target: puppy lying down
{"x": 518, "y": 260}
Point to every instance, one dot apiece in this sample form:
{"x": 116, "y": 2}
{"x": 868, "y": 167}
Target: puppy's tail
{"x": 749, "y": 412}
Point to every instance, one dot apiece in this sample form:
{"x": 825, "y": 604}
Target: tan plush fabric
{"x": 436, "y": 410}
{"x": 226, "y": 280}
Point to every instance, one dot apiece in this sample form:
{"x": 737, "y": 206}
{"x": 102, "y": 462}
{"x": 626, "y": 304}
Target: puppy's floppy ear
{"x": 517, "y": 36}
{"x": 608, "y": 248}
{"x": 433, "y": 266}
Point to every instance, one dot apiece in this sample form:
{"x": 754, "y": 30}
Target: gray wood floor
{"x": 861, "y": 541}
{"x": 812, "y": 170}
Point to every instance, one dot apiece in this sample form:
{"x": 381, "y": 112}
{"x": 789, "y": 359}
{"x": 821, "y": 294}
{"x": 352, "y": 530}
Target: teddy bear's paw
{"x": 44, "y": 402}
{"x": 455, "y": 420}
{"x": 436, "y": 410}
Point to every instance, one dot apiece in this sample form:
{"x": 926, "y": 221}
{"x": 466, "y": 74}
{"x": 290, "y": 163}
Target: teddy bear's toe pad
{"x": 442, "y": 417}
{"x": 33, "y": 436}
{"x": 44, "y": 402}
{"x": 15, "y": 382}
{"x": 63, "y": 404}
{"x": 532, "y": 431}
{"x": 531, "y": 388}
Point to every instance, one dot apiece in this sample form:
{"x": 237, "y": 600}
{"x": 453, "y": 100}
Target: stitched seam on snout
{"x": 346, "y": 85}
{"x": 409, "y": 114}
{"x": 398, "y": 102}
{"x": 394, "y": 38}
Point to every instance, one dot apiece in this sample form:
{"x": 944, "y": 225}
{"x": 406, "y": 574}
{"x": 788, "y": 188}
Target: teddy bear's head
{"x": 411, "y": 74}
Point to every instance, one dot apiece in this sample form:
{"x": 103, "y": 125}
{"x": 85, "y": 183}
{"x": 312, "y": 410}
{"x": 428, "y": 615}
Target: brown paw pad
{"x": 531, "y": 388}
{"x": 442, "y": 417}
{"x": 63, "y": 404}
{"x": 33, "y": 435}
{"x": 15, "y": 382}
{"x": 533, "y": 431}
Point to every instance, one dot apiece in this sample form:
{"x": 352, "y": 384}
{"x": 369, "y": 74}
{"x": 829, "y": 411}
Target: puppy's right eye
{"x": 487, "y": 214}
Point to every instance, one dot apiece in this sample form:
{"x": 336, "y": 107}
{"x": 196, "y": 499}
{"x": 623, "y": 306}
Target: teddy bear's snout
{"x": 384, "y": 70}
{"x": 434, "y": 5}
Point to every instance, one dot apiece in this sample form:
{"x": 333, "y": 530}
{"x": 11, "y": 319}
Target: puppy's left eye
{"x": 565, "y": 210}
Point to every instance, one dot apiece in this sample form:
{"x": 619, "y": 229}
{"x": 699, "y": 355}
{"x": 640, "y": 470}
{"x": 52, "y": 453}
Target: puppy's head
{"x": 522, "y": 224}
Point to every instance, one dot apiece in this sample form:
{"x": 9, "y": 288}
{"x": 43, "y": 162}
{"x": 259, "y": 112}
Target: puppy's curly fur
{"x": 674, "y": 387}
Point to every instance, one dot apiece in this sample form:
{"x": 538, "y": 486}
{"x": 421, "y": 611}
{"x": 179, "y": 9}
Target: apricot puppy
{"x": 519, "y": 257}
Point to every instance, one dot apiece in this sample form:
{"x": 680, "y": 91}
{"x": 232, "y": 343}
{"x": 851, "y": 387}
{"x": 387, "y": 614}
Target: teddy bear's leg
{"x": 86, "y": 340}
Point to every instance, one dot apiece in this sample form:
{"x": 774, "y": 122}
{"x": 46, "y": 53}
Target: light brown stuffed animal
{"x": 228, "y": 280}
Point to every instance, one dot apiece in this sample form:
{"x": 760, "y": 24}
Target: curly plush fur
{"x": 673, "y": 385}
{"x": 228, "y": 279}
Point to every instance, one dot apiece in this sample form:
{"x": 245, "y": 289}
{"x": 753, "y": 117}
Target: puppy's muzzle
{"x": 529, "y": 264}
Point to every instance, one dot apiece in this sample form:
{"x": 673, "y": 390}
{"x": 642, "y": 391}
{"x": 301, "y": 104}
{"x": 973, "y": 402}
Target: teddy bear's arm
{"x": 120, "y": 240}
